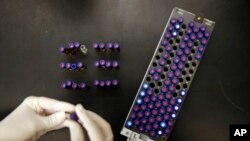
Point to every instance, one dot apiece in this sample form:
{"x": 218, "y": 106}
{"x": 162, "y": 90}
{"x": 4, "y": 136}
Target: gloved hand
{"x": 34, "y": 117}
{"x": 97, "y": 128}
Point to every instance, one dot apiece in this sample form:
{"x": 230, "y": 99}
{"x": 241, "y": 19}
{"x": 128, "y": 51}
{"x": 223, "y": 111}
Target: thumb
{"x": 53, "y": 120}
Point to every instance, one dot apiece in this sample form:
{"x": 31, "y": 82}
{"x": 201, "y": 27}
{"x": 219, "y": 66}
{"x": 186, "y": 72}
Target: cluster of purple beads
{"x": 106, "y": 83}
{"x": 104, "y": 46}
{"x": 106, "y": 64}
{"x": 72, "y": 48}
{"x": 73, "y": 85}
{"x": 72, "y": 66}
{"x": 156, "y": 114}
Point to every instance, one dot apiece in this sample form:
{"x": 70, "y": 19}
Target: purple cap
{"x": 115, "y": 82}
{"x": 96, "y": 82}
{"x": 173, "y": 21}
{"x": 115, "y": 64}
{"x": 73, "y": 116}
{"x": 62, "y": 65}
{"x": 82, "y": 85}
{"x": 62, "y": 49}
{"x": 187, "y": 51}
{"x": 176, "y": 59}
{"x": 165, "y": 55}
{"x": 68, "y": 65}
{"x": 102, "y": 83}
{"x": 68, "y": 83}
{"x": 196, "y": 29}
{"x": 199, "y": 35}
{"x": 180, "y": 65}
{"x": 109, "y": 45}
{"x": 173, "y": 67}
{"x": 191, "y": 24}
{"x": 192, "y": 36}
{"x": 77, "y": 44}
{"x": 159, "y": 69}
{"x": 185, "y": 38}
{"x": 167, "y": 35}
{"x": 201, "y": 48}
{"x": 179, "y": 52}
{"x": 101, "y": 45}
{"x": 97, "y": 64}
{"x": 108, "y": 64}
{"x": 190, "y": 44}
{"x": 203, "y": 41}
{"x": 203, "y": 28}
{"x": 156, "y": 77}
{"x": 183, "y": 58}
{"x": 71, "y": 45}
{"x": 164, "y": 42}
{"x": 162, "y": 62}
{"x": 182, "y": 45}
{"x": 151, "y": 70}
{"x": 74, "y": 85}
{"x": 170, "y": 28}
{"x": 177, "y": 72}
{"x": 167, "y": 82}
{"x": 95, "y": 45}
{"x": 80, "y": 65}
{"x": 170, "y": 74}
{"x": 189, "y": 31}
{"x": 63, "y": 85}
{"x": 207, "y": 34}
{"x": 102, "y": 62}
{"x": 198, "y": 56}
{"x": 108, "y": 83}
{"x": 168, "y": 48}
{"x": 116, "y": 46}
{"x": 175, "y": 80}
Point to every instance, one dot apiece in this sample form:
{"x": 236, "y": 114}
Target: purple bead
{"x": 164, "y": 89}
{"x": 116, "y": 46}
{"x": 173, "y": 67}
{"x": 77, "y": 44}
{"x": 140, "y": 114}
{"x": 63, "y": 85}
{"x": 190, "y": 44}
{"x": 191, "y": 24}
{"x": 182, "y": 45}
{"x": 62, "y": 65}
{"x": 148, "y": 127}
{"x": 149, "y": 91}
{"x": 167, "y": 82}
{"x": 150, "y": 106}
{"x": 207, "y": 34}
{"x": 143, "y": 107}
{"x": 102, "y": 62}
{"x": 96, "y": 82}
{"x": 158, "y": 104}
{"x": 203, "y": 41}
{"x": 170, "y": 28}
{"x": 198, "y": 56}
{"x": 165, "y": 55}
{"x": 159, "y": 118}
{"x": 147, "y": 113}
{"x": 162, "y": 62}
{"x": 68, "y": 65}
{"x": 196, "y": 29}
{"x": 71, "y": 46}
{"x": 151, "y": 119}
{"x": 108, "y": 83}
{"x": 155, "y": 126}
{"x": 192, "y": 37}
{"x": 102, "y": 83}
{"x": 175, "y": 80}
{"x": 168, "y": 48}
{"x": 95, "y": 45}
{"x": 74, "y": 86}
{"x": 171, "y": 87}
{"x": 201, "y": 48}
{"x": 136, "y": 108}
{"x": 82, "y": 85}
{"x": 101, "y": 45}
{"x": 176, "y": 59}
{"x": 185, "y": 38}
{"x": 177, "y": 73}
{"x": 151, "y": 70}
{"x": 161, "y": 96}
{"x": 156, "y": 77}
{"x": 189, "y": 31}
{"x": 173, "y": 21}
{"x": 168, "y": 35}
{"x": 165, "y": 103}
{"x": 62, "y": 49}
{"x": 137, "y": 122}
{"x": 180, "y": 65}
{"x": 180, "y": 19}
{"x": 166, "y": 116}
{"x": 169, "y": 109}
{"x": 73, "y": 66}
{"x": 203, "y": 28}
{"x": 170, "y": 74}
{"x": 179, "y": 52}
{"x": 74, "y": 116}
{"x": 168, "y": 96}
{"x": 172, "y": 101}
{"x": 164, "y": 42}
{"x": 183, "y": 58}
{"x": 115, "y": 82}
{"x": 159, "y": 69}
{"x": 187, "y": 51}
{"x": 199, "y": 35}
{"x": 115, "y": 64}
{"x": 109, "y": 45}
{"x": 162, "y": 110}
{"x": 97, "y": 64}
{"x": 146, "y": 99}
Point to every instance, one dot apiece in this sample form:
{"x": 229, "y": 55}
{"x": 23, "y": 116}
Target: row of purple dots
{"x": 106, "y": 64}
{"x": 71, "y": 49}
{"x": 106, "y": 83}
{"x": 73, "y": 85}
{"x": 72, "y": 66}
{"x": 104, "y": 46}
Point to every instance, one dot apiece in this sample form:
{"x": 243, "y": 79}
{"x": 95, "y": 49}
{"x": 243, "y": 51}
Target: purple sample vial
{"x": 102, "y": 83}
{"x": 71, "y": 46}
{"x": 108, "y": 83}
{"x": 69, "y": 83}
{"x": 115, "y": 82}
{"x": 63, "y": 85}
{"x": 68, "y": 65}
{"x": 74, "y": 116}
{"x": 62, "y": 49}
{"x": 173, "y": 21}
{"x": 102, "y": 46}
{"x": 108, "y": 64}
{"x": 109, "y": 46}
{"x": 116, "y": 46}
{"x": 74, "y": 85}
{"x": 80, "y": 65}
{"x": 180, "y": 19}
{"x": 77, "y": 45}
{"x": 102, "y": 63}
{"x": 82, "y": 85}
{"x": 96, "y": 82}
{"x": 96, "y": 64}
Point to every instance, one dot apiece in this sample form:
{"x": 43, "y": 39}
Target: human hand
{"x": 97, "y": 128}
{"x": 34, "y": 117}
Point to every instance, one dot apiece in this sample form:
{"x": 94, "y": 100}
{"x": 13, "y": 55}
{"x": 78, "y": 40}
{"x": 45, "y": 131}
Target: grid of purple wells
{"x": 164, "y": 88}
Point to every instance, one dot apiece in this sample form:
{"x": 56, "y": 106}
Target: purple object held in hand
{"x": 74, "y": 116}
